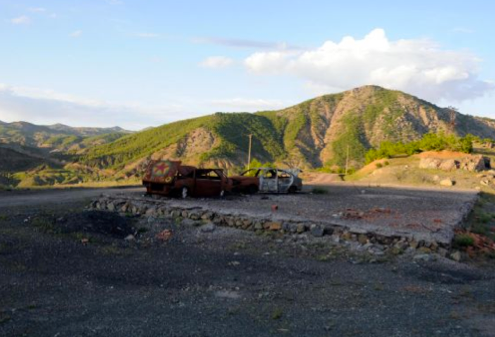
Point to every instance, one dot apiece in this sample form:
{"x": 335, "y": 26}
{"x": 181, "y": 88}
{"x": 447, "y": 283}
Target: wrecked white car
{"x": 268, "y": 180}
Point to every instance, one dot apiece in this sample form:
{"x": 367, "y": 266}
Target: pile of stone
{"x": 472, "y": 163}
{"x": 153, "y": 208}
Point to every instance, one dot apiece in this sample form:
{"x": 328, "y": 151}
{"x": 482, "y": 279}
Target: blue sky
{"x": 144, "y": 63}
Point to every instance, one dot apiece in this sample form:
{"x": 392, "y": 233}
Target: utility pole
{"x": 347, "y": 160}
{"x": 249, "y": 151}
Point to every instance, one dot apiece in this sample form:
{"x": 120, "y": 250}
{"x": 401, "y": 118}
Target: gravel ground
{"x": 73, "y": 273}
{"x": 424, "y": 214}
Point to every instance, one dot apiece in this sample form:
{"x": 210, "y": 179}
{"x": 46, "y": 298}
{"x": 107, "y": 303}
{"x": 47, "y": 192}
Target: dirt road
{"x": 56, "y": 196}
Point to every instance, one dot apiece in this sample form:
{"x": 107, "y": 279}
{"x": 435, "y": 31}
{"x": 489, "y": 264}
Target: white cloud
{"x": 37, "y": 9}
{"x": 21, "y": 20}
{"x": 417, "y": 66}
{"x": 76, "y": 33}
{"x": 147, "y": 35}
{"x": 247, "y": 105}
{"x": 217, "y": 62}
{"x": 42, "y": 106}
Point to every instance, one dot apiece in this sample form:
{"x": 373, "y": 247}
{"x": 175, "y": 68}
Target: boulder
{"x": 430, "y": 163}
{"x": 447, "y": 182}
{"x": 317, "y": 230}
{"x": 449, "y": 165}
{"x": 473, "y": 163}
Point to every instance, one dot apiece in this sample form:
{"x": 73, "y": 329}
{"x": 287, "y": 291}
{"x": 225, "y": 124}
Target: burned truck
{"x": 267, "y": 180}
{"x": 170, "y": 178}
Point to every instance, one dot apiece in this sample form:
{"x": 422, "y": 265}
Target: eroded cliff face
{"x": 320, "y": 131}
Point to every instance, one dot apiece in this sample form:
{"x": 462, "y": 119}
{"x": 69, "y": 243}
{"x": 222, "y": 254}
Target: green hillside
{"x": 326, "y": 131}
{"x": 318, "y": 132}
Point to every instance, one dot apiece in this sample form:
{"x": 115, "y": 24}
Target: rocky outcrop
{"x": 473, "y": 163}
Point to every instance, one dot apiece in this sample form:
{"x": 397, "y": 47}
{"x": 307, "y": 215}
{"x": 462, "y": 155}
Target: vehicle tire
{"x": 252, "y": 189}
{"x": 292, "y": 189}
{"x": 184, "y": 192}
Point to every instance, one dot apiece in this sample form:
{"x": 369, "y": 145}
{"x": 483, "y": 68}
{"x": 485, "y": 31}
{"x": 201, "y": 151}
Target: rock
{"x": 129, "y": 237}
{"x": 442, "y": 252}
{"x": 485, "y": 182}
{"x": 429, "y": 163}
{"x": 301, "y": 228}
{"x": 111, "y": 206}
{"x": 436, "y": 177}
{"x": 447, "y": 182}
{"x": 346, "y": 236}
{"x": 194, "y": 216}
{"x": 274, "y": 226}
{"x": 317, "y": 230}
{"x": 449, "y": 165}
{"x": 456, "y": 256}
{"x": 258, "y": 225}
{"x": 413, "y": 244}
{"x": 151, "y": 212}
{"x": 208, "y": 228}
{"x": 363, "y": 239}
{"x": 207, "y": 216}
{"x": 422, "y": 257}
{"x": 189, "y": 223}
{"x": 473, "y": 163}
{"x": 424, "y": 250}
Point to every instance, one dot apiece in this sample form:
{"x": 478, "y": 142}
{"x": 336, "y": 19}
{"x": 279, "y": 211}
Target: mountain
{"x": 58, "y": 136}
{"x": 324, "y": 131}
{"x": 317, "y": 132}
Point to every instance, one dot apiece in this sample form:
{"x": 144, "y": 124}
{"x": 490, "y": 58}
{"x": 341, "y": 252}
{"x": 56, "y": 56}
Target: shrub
{"x": 463, "y": 240}
{"x": 319, "y": 190}
{"x": 429, "y": 142}
{"x": 378, "y": 165}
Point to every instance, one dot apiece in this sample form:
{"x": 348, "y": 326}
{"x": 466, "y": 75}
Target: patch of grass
{"x": 4, "y": 218}
{"x": 142, "y": 230}
{"x": 378, "y": 165}
{"x": 463, "y": 240}
{"x": 46, "y": 225}
{"x": 277, "y": 314}
{"x": 319, "y": 190}
{"x": 4, "y": 319}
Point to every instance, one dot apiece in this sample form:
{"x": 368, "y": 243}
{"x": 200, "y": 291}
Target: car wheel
{"x": 184, "y": 193}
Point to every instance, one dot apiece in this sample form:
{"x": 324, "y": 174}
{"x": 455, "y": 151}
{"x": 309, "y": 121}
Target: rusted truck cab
{"x": 170, "y": 178}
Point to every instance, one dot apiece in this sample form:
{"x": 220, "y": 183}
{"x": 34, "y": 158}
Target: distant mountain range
{"x": 317, "y": 132}
{"x": 53, "y": 136}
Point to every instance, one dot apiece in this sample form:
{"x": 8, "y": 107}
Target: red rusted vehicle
{"x": 166, "y": 177}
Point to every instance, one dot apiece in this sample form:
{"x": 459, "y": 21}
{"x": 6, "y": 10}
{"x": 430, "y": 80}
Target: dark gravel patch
{"x": 221, "y": 283}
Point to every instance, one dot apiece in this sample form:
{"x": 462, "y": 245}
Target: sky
{"x": 141, "y": 63}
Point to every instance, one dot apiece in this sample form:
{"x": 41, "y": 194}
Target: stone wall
{"x": 155, "y": 208}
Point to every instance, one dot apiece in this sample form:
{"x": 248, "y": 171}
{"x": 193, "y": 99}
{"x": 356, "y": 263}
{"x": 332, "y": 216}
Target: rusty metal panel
{"x": 161, "y": 171}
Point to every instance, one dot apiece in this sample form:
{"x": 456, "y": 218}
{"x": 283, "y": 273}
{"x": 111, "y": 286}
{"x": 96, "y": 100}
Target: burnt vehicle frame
{"x": 268, "y": 180}
{"x": 170, "y": 178}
